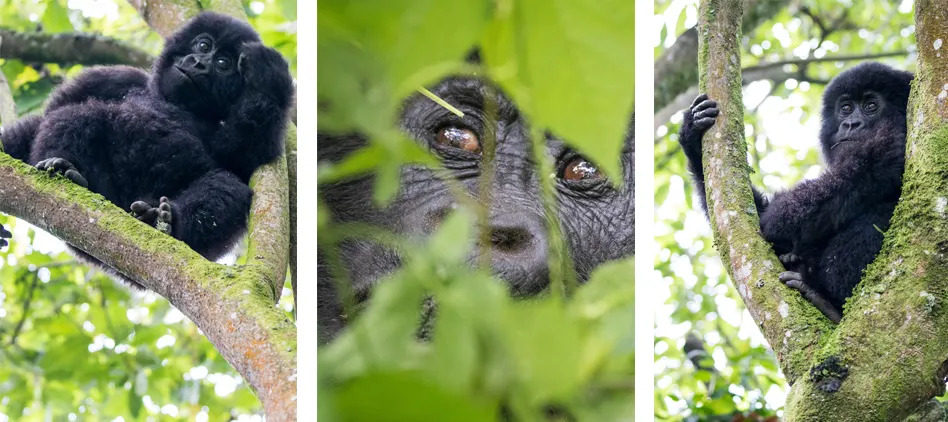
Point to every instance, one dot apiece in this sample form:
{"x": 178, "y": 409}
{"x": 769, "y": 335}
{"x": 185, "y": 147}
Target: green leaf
{"x": 561, "y": 59}
{"x": 407, "y": 397}
{"x": 56, "y": 18}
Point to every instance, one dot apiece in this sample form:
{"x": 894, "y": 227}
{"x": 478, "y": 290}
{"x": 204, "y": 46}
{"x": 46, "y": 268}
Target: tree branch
{"x": 792, "y": 327}
{"x": 232, "y": 307}
{"x": 70, "y": 48}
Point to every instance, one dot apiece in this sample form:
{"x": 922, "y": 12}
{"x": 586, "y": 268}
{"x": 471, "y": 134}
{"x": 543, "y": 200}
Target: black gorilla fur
{"x": 597, "y": 219}
{"x": 176, "y": 146}
{"x": 827, "y": 230}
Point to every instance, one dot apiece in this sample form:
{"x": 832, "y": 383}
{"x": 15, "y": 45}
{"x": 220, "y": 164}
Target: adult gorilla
{"x": 597, "y": 219}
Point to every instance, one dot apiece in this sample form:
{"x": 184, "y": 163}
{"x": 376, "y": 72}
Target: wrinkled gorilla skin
{"x": 597, "y": 220}
{"x": 827, "y": 230}
{"x": 176, "y": 146}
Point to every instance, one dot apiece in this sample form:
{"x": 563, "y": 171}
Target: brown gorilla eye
{"x": 459, "y": 138}
{"x": 580, "y": 169}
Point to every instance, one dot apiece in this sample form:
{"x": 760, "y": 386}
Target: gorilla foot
{"x": 159, "y": 217}
{"x": 63, "y": 167}
{"x": 794, "y": 281}
{"x": 4, "y": 235}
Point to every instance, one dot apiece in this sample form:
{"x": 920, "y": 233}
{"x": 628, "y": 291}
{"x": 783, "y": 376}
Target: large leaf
{"x": 561, "y": 59}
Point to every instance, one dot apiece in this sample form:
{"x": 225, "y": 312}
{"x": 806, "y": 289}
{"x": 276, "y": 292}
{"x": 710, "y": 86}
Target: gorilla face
{"x": 596, "y": 218}
{"x": 865, "y": 103}
{"x": 199, "y": 68}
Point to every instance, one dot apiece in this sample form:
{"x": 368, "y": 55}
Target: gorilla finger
{"x": 788, "y": 276}
{"x": 704, "y": 124}
{"x": 165, "y": 216}
{"x": 704, "y": 105}
{"x": 708, "y": 112}
{"x": 140, "y": 207}
{"x": 4, "y": 233}
{"x": 76, "y": 178}
{"x": 4, "y": 243}
{"x": 789, "y": 258}
{"x": 699, "y": 100}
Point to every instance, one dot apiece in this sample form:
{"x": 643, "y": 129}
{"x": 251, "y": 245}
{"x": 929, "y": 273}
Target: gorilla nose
{"x": 510, "y": 240}
{"x": 195, "y": 64}
{"x": 851, "y": 125}
{"x": 518, "y": 247}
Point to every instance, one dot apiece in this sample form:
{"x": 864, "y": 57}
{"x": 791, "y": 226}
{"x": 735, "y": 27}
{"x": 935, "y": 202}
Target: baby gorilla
{"x": 176, "y": 147}
{"x": 596, "y": 218}
{"x": 827, "y": 230}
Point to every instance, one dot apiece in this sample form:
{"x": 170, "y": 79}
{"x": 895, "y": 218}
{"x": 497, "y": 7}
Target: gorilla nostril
{"x": 510, "y": 239}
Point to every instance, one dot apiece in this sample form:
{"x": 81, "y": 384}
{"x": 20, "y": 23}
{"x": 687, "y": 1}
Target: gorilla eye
{"x": 846, "y": 108}
{"x": 460, "y": 138}
{"x": 580, "y": 169}
{"x": 223, "y": 64}
{"x": 872, "y": 106}
{"x": 202, "y": 46}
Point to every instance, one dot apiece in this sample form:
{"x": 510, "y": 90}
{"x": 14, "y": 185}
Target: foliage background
{"x": 781, "y": 127}
{"x": 74, "y": 344}
{"x": 549, "y": 358}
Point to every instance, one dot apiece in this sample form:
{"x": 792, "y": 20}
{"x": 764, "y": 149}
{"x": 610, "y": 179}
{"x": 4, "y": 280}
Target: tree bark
{"x": 888, "y": 357}
{"x": 233, "y": 306}
{"x": 790, "y": 324}
{"x": 74, "y": 48}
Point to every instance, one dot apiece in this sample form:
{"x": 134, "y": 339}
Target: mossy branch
{"x": 791, "y": 325}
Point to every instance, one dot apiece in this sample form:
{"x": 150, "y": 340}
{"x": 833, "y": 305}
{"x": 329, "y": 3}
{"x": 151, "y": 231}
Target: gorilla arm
{"x": 697, "y": 120}
{"x": 252, "y": 133}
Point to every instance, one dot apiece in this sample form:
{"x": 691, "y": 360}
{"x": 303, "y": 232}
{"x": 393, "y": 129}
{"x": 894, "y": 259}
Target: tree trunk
{"x": 889, "y": 355}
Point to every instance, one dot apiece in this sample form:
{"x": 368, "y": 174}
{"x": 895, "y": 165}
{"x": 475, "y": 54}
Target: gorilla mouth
{"x": 186, "y": 76}
{"x": 838, "y": 143}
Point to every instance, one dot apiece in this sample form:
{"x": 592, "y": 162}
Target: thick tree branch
{"x": 70, "y": 48}
{"x": 232, "y": 307}
{"x": 892, "y": 340}
{"x": 791, "y": 325}
{"x": 165, "y": 16}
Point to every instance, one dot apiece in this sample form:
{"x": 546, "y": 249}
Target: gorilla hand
{"x": 63, "y": 167}
{"x": 697, "y": 120}
{"x": 264, "y": 69}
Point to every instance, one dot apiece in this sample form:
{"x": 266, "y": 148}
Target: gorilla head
{"x": 596, "y": 218}
{"x": 198, "y": 67}
{"x": 865, "y": 101}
